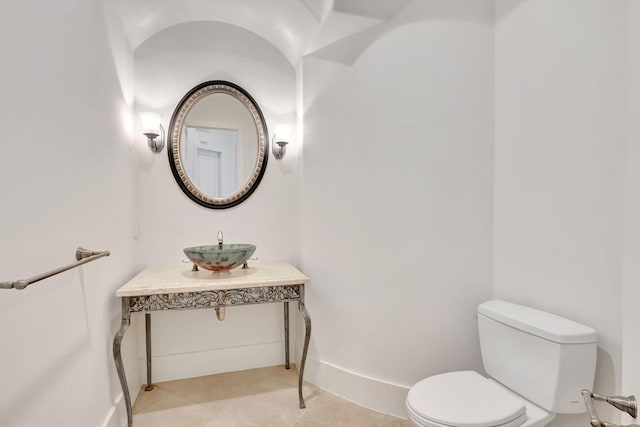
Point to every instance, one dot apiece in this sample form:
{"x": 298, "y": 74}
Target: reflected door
{"x": 211, "y": 160}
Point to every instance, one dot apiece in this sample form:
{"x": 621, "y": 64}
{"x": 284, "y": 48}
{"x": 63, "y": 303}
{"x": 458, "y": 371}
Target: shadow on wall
{"x": 504, "y": 8}
{"x": 347, "y": 50}
{"x": 176, "y": 59}
{"x": 58, "y": 369}
{"x": 605, "y": 383}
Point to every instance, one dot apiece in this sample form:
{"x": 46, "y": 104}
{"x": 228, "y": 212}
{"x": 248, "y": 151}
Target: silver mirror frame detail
{"x": 174, "y": 144}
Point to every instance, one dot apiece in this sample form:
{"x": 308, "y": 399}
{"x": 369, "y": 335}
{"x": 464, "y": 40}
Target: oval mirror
{"x": 218, "y": 144}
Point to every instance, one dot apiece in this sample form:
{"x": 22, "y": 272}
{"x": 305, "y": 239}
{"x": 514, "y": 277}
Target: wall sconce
{"x": 281, "y": 139}
{"x": 152, "y": 129}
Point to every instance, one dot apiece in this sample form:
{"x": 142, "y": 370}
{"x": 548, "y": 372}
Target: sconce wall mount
{"x": 155, "y": 145}
{"x": 281, "y": 150}
{"x": 281, "y": 139}
{"x": 153, "y": 130}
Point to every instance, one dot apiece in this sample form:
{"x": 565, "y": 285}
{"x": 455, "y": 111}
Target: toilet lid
{"x": 464, "y": 399}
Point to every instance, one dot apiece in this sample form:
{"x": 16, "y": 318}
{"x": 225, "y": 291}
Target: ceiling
{"x": 295, "y": 27}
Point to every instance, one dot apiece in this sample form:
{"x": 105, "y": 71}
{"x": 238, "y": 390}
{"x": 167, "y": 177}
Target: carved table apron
{"x": 177, "y": 288}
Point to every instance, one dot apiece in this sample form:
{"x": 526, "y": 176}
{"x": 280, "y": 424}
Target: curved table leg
{"x": 117, "y": 341}
{"x": 305, "y": 348}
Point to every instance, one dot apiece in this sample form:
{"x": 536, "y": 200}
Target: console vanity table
{"x": 178, "y": 288}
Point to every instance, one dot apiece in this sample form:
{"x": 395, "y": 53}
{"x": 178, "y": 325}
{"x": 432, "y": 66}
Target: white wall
{"x": 167, "y": 66}
{"x": 560, "y": 135}
{"x": 396, "y": 202}
{"x": 398, "y": 159}
{"x": 631, "y": 289}
{"x": 67, "y": 180}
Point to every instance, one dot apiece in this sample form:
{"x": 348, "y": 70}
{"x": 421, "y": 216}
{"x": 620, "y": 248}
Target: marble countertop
{"x": 168, "y": 280}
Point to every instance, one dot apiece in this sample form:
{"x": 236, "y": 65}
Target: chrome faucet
{"x": 219, "y": 239}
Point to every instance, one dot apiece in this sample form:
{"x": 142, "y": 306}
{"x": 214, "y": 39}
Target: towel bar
{"x": 83, "y": 256}
{"x": 623, "y": 403}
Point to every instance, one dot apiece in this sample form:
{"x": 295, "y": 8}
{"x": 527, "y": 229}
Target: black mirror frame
{"x": 173, "y": 143}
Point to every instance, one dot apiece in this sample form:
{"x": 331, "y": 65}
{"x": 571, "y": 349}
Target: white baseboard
{"x": 117, "y": 414}
{"x": 188, "y": 365}
{"x": 372, "y": 393}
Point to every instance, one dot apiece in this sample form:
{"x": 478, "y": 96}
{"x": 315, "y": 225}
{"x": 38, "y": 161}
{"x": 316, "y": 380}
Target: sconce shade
{"x": 150, "y": 123}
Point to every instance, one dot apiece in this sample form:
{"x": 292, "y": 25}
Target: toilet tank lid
{"x": 540, "y": 323}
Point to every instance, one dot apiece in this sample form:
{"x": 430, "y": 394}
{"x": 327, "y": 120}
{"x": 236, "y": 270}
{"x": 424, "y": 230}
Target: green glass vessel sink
{"x": 220, "y": 257}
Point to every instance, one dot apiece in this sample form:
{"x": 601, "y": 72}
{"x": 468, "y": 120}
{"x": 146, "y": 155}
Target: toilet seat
{"x": 463, "y": 399}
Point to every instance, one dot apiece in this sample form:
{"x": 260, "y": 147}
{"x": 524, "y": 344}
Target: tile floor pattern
{"x": 265, "y": 397}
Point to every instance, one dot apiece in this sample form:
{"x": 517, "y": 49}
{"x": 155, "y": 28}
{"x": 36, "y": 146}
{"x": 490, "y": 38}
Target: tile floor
{"x": 265, "y": 397}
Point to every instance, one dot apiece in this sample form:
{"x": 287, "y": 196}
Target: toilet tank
{"x": 543, "y": 357}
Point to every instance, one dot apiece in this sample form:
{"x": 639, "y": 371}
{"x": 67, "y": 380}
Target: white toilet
{"x": 537, "y": 362}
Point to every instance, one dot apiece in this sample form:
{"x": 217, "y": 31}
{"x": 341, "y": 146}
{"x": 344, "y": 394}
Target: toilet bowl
{"x": 467, "y": 399}
{"x": 537, "y": 365}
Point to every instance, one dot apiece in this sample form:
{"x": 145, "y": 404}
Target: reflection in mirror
{"x": 218, "y": 144}
{"x": 221, "y": 145}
